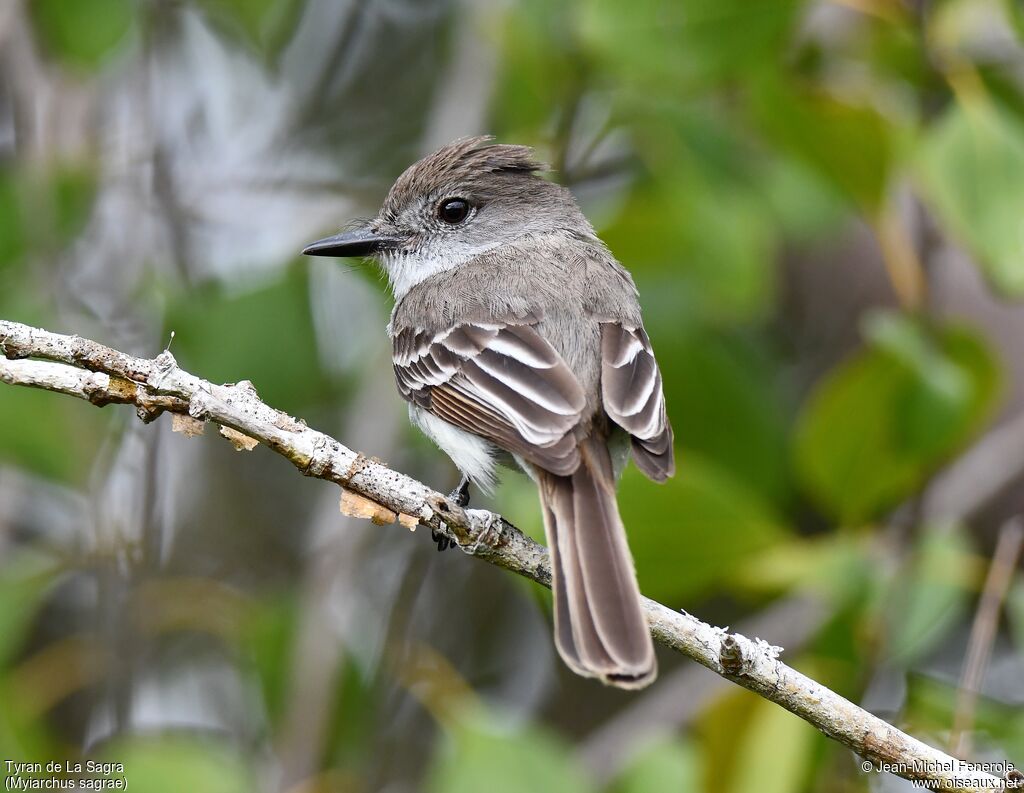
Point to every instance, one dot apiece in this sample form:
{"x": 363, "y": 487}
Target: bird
{"x": 517, "y": 339}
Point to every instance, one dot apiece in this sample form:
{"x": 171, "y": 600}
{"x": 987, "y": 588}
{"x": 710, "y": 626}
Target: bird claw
{"x": 460, "y": 495}
{"x": 443, "y": 543}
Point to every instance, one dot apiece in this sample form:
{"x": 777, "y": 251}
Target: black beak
{"x": 359, "y": 242}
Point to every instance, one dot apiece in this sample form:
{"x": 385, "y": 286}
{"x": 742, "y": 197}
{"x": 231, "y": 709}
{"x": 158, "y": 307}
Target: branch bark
{"x": 88, "y": 370}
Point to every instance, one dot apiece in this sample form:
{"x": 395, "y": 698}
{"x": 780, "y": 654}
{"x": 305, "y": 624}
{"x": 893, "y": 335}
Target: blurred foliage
{"x": 678, "y": 47}
{"x": 23, "y": 582}
{"x": 731, "y": 152}
{"x": 740, "y": 388}
{"x": 486, "y": 752}
{"x": 264, "y": 26}
{"x": 487, "y": 756}
{"x": 687, "y": 519}
{"x": 43, "y": 209}
{"x": 767, "y": 728}
{"x": 36, "y": 425}
{"x": 880, "y": 422}
{"x": 667, "y": 765}
{"x": 267, "y": 338}
{"x": 83, "y": 34}
{"x": 934, "y": 594}
{"x": 1015, "y": 606}
{"x": 176, "y": 764}
{"x": 972, "y": 163}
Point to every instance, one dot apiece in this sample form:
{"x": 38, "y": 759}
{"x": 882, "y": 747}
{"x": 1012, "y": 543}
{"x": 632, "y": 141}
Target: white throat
{"x": 408, "y": 269}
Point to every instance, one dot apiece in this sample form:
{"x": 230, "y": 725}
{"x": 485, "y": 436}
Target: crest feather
{"x": 507, "y": 157}
{"x": 463, "y": 161}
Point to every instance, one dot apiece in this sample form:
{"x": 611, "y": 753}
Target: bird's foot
{"x": 460, "y": 495}
{"x": 443, "y": 543}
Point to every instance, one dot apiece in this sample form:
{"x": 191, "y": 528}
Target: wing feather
{"x": 631, "y": 389}
{"x": 505, "y": 383}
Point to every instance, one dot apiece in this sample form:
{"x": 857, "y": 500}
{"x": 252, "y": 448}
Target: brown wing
{"x": 633, "y": 398}
{"x": 505, "y": 383}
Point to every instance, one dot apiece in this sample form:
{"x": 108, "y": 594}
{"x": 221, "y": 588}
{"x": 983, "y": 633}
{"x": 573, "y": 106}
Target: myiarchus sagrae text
{"x": 516, "y": 334}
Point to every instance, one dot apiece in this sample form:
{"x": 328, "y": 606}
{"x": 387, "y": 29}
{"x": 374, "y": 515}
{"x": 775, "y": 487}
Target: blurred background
{"x": 822, "y": 203}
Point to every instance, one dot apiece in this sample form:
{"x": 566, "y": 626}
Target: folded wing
{"x": 504, "y": 382}
{"x": 633, "y": 397}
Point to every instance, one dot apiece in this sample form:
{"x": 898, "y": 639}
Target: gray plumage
{"x": 517, "y": 333}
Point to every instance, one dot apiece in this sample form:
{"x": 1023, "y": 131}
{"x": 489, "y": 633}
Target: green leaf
{"x": 931, "y": 706}
{"x": 772, "y": 738}
{"x": 971, "y": 167}
{"x": 24, "y": 580}
{"x": 738, "y": 389}
{"x": 851, "y": 146}
{"x": 538, "y": 71}
{"x": 354, "y": 715}
{"x": 697, "y": 215}
{"x": 681, "y": 45}
{"x": 719, "y": 261}
{"x": 838, "y": 565}
{"x": 676, "y": 530}
{"x": 50, "y": 434}
{"x": 43, "y": 209}
{"x": 268, "y": 634}
{"x": 666, "y": 766}
{"x": 12, "y": 233}
{"x": 72, "y": 193}
{"x": 1015, "y": 16}
{"x": 174, "y": 764}
{"x": 933, "y": 596}
{"x": 264, "y": 335}
{"x": 875, "y": 426}
{"x": 264, "y": 25}
{"x": 83, "y": 33}
{"x": 806, "y": 207}
{"x": 847, "y": 448}
{"x": 893, "y": 52}
{"x": 501, "y": 759}
{"x": 940, "y": 404}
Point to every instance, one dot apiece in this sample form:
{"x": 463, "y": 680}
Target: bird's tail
{"x": 600, "y": 628}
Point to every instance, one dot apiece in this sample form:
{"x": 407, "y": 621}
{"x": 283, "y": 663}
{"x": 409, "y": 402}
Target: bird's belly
{"x": 474, "y": 456}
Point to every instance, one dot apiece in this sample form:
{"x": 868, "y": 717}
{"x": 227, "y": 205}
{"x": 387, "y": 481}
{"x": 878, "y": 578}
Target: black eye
{"x": 453, "y": 210}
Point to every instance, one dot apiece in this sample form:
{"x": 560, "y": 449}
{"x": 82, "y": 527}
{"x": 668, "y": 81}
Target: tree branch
{"x": 88, "y": 370}
{"x": 983, "y": 632}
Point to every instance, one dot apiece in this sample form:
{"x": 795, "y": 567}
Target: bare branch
{"x": 983, "y": 631}
{"x": 96, "y": 387}
{"x": 102, "y": 375}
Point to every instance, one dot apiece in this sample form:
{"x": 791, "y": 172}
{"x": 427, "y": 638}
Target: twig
{"x": 687, "y": 691}
{"x": 983, "y": 631}
{"x": 751, "y": 664}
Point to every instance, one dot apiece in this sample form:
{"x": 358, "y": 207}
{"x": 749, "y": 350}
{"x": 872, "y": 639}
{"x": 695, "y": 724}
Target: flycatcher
{"x": 518, "y": 336}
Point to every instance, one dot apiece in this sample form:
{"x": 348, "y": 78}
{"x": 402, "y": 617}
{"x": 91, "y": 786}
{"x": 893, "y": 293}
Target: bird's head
{"x": 465, "y": 199}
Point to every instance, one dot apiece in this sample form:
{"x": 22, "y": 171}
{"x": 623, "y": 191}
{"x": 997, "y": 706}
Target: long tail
{"x": 600, "y": 628}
